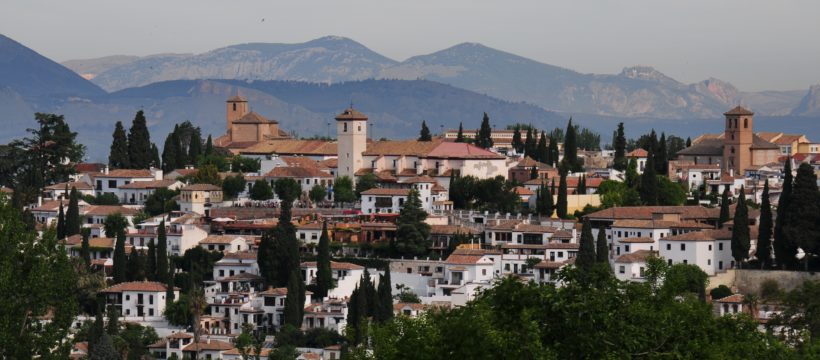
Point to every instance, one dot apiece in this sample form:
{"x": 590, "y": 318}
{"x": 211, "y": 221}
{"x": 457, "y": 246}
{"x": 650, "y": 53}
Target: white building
{"x": 225, "y": 243}
{"x": 384, "y": 201}
{"x": 632, "y": 266}
{"x": 109, "y": 181}
{"x": 345, "y": 275}
{"x": 139, "y": 300}
{"x": 640, "y": 156}
{"x": 182, "y": 233}
{"x": 236, "y": 263}
{"x": 58, "y": 191}
{"x": 711, "y": 250}
{"x": 199, "y": 198}
{"x": 137, "y": 192}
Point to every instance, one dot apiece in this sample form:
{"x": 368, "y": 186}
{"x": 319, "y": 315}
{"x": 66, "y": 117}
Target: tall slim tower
{"x": 351, "y": 135}
{"x": 236, "y": 107}
{"x": 737, "y": 141}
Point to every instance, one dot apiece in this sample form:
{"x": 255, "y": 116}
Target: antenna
{"x": 351, "y": 103}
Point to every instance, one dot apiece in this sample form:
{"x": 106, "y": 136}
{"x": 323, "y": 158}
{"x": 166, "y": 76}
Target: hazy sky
{"x": 755, "y": 44}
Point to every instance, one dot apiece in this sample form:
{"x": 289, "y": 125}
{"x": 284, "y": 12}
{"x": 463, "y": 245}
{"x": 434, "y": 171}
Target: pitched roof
{"x": 638, "y": 153}
{"x": 386, "y": 192}
{"x": 335, "y": 265}
{"x": 271, "y": 291}
{"x": 419, "y": 179}
{"x": 759, "y": 143}
{"x": 105, "y": 210}
{"x": 546, "y": 264}
{"x": 734, "y": 298}
{"x": 62, "y": 186}
{"x": 126, "y": 173}
{"x": 401, "y": 147}
{"x": 296, "y": 172}
{"x": 467, "y": 256}
{"x": 707, "y": 146}
{"x": 293, "y": 147}
{"x": 208, "y": 345}
{"x": 637, "y": 256}
{"x": 658, "y": 224}
{"x": 153, "y": 184}
{"x": 739, "y": 110}
{"x": 254, "y": 118}
{"x": 236, "y": 98}
{"x": 351, "y": 114}
{"x": 528, "y": 162}
{"x": 220, "y": 239}
{"x": 520, "y": 226}
{"x": 645, "y": 212}
{"x": 201, "y": 187}
{"x": 637, "y": 240}
{"x": 452, "y": 229}
{"x": 146, "y": 286}
{"x": 450, "y": 150}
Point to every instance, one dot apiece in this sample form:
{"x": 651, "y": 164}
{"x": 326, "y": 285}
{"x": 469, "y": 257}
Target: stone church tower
{"x": 237, "y": 107}
{"x": 351, "y": 135}
{"x": 737, "y": 141}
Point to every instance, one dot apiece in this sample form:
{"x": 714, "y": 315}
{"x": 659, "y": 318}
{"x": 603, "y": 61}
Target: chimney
{"x": 105, "y": 170}
{"x": 158, "y": 173}
{"x": 732, "y": 172}
{"x": 39, "y": 201}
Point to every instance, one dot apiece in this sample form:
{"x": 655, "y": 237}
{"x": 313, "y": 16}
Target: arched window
{"x": 345, "y": 127}
{"x": 735, "y": 123}
{"x": 234, "y": 106}
{"x": 732, "y": 149}
{"x": 746, "y": 123}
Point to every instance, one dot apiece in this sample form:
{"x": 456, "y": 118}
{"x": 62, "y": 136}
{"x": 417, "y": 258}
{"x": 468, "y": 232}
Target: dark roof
{"x": 237, "y": 98}
{"x": 739, "y": 110}
{"x": 759, "y": 143}
{"x": 713, "y": 147}
{"x": 351, "y": 114}
{"x": 254, "y": 118}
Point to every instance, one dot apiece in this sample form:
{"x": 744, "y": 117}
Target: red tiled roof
{"x": 386, "y": 192}
{"x": 254, "y": 118}
{"x": 735, "y": 298}
{"x": 153, "y": 184}
{"x": 220, "y": 239}
{"x": 638, "y": 153}
{"x": 62, "y": 186}
{"x": 146, "y": 286}
{"x": 293, "y": 147}
{"x": 335, "y": 265}
{"x": 351, "y": 114}
{"x": 201, "y": 187}
{"x": 105, "y": 210}
{"x": 296, "y": 172}
{"x": 637, "y": 256}
{"x": 126, "y": 173}
{"x": 208, "y": 345}
{"x": 739, "y": 110}
{"x": 456, "y": 150}
{"x": 637, "y": 240}
{"x": 520, "y": 190}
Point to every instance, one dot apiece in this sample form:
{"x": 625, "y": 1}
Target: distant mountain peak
{"x": 643, "y": 72}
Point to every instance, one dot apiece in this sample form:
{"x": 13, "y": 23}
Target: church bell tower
{"x": 737, "y": 141}
{"x": 351, "y": 135}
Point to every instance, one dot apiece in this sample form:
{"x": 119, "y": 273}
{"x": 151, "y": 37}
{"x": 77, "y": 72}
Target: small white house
{"x": 136, "y": 193}
{"x": 229, "y": 243}
{"x": 138, "y": 300}
{"x": 632, "y": 266}
{"x": 383, "y": 201}
{"x": 710, "y": 250}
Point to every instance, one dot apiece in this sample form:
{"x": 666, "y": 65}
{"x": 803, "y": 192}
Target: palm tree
{"x": 197, "y": 303}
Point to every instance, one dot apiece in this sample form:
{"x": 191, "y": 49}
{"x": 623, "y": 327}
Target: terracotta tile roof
{"x": 387, "y": 192}
{"x": 706, "y": 146}
{"x": 637, "y": 256}
{"x": 454, "y": 150}
{"x": 334, "y": 265}
{"x": 546, "y": 264}
{"x": 704, "y": 235}
{"x": 283, "y": 291}
{"x": 330, "y": 163}
{"x": 220, "y": 239}
{"x": 559, "y": 245}
{"x": 520, "y": 226}
{"x": 467, "y": 256}
{"x": 251, "y": 352}
{"x": 351, "y": 114}
{"x": 236, "y": 98}
{"x": 89, "y": 167}
{"x": 735, "y": 298}
{"x": 572, "y": 182}
{"x": 293, "y": 147}
{"x": 296, "y": 172}
{"x": 638, "y": 153}
{"x": 241, "y": 255}
{"x": 62, "y": 186}
{"x": 637, "y": 240}
{"x": 97, "y": 242}
{"x": 452, "y": 229}
{"x": 528, "y": 162}
{"x": 145, "y": 286}
{"x": 180, "y": 335}
{"x": 302, "y": 161}
{"x": 254, "y": 118}
{"x": 645, "y": 212}
{"x": 153, "y": 184}
{"x": 5, "y": 190}
{"x": 310, "y": 356}
{"x": 520, "y": 190}
{"x": 201, "y": 187}
{"x": 126, "y": 173}
{"x": 401, "y": 147}
{"x": 419, "y": 179}
{"x": 787, "y": 139}
{"x": 159, "y": 344}
{"x": 739, "y": 110}
{"x": 52, "y": 205}
{"x": 758, "y": 143}
{"x": 415, "y": 306}
{"x": 105, "y": 210}
{"x": 208, "y": 345}
{"x": 184, "y": 172}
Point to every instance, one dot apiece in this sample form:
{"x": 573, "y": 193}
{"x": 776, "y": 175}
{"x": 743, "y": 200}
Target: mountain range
{"x": 637, "y": 91}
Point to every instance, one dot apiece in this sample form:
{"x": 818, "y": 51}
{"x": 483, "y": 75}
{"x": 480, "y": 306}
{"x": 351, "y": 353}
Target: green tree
{"x": 586, "y": 251}
{"x": 135, "y": 269}
{"x": 670, "y": 193}
{"x": 162, "y": 254}
{"x": 343, "y": 190}
{"x": 317, "y": 193}
{"x": 85, "y": 250}
{"x": 561, "y": 204}
{"x": 803, "y": 213}
{"x": 412, "y": 234}
{"x": 36, "y": 279}
{"x": 139, "y": 143}
{"x": 688, "y": 142}
{"x": 120, "y": 259}
{"x": 662, "y": 157}
{"x": 113, "y": 326}
{"x": 295, "y": 300}
{"x": 784, "y": 250}
{"x": 601, "y": 247}
{"x": 460, "y": 134}
{"x": 151, "y": 262}
{"x": 61, "y": 226}
{"x": 484, "y": 136}
{"x": 384, "y": 298}
{"x": 104, "y": 349}
{"x": 542, "y": 150}
{"x": 571, "y": 149}
{"x": 764, "y": 234}
{"x": 631, "y": 176}
{"x": 72, "y": 220}
{"x": 721, "y": 292}
{"x": 582, "y": 185}
{"x": 530, "y": 144}
{"x": 740, "y": 230}
{"x": 553, "y": 151}
{"x": 649, "y": 182}
{"x": 209, "y": 146}
{"x": 424, "y": 134}
{"x": 278, "y": 251}
{"x": 181, "y": 158}
{"x": 118, "y": 157}
{"x": 161, "y": 201}
{"x": 207, "y": 174}
{"x": 619, "y": 144}
{"x": 517, "y": 143}
{"x": 324, "y": 274}
{"x": 156, "y": 161}
{"x": 194, "y": 147}
{"x": 233, "y": 185}
{"x": 724, "y": 207}
{"x": 169, "y": 153}
{"x": 261, "y": 190}
{"x": 365, "y": 182}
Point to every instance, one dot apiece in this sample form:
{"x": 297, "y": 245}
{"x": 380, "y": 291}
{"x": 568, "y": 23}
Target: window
{"x": 720, "y": 246}
{"x": 626, "y": 248}
{"x": 710, "y": 247}
{"x": 746, "y": 123}
{"x": 682, "y": 247}
{"x": 127, "y": 297}
{"x": 621, "y": 269}
{"x": 484, "y": 272}
{"x": 708, "y": 261}
{"x": 345, "y": 127}
{"x": 685, "y": 261}
{"x": 669, "y": 247}
{"x": 669, "y": 261}
{"x": 112, "y": 184}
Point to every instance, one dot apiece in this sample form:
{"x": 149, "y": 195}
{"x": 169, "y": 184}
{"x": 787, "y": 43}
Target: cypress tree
{"x": 724, "y": 207}
{"x": 764, "y": 234}
{"x": 295, "y": 300}
{"x": 582, "y": 185}
{"x": 209, "y": 146}
{"x": 97, "y": 329}
{"x": 803, "y": 214}
{"x": 601, "y": 248}
{"x": 72, "y": 221}
{"x": 586, "y": 250}
{"x": 104, "y": 349}
{"x": 180, "y": 151}
{"x": 169, "y": 155}
{"x": 554, "y": 153}
{"x": 324, "y": 274}
{"x": 136, "y": 266}
{"x": 118, "y": 157}
{"x": 424, "y": 134}
{"x": 162, "y": 254}
{"x": 460, "y": 134}
{"x": 151, "y": 262}
{"x": 120, "y": 259}
{"x": 649, "y": 182}
{"x": 484, "y": 136}
{"x": 530, "y": 145}
{"x": 561, "y": 206}
{"x": 619, "y": 144}
{"x": 631, "y": 176}
{"x": 195, "y": 147}
{"x": 113, "y": 326}
{"x": 517, "y": 143}
{"x": 385, "y": 297}
{"x": 412, "y": 233}
{"x": 139, "y": 143}
{"x": 571, "y": 148}
{"x": 552, "y": 189}
{"x": 549, "y": 206}
{"x": 542, "y": 151}
{"x": 169, "y": 285}
{"x": 688, "y": 142}
{"x": 783, "y": 253}
{"x": 740, "y": 230}
{"x": 61, "y": 225}
{"x": 156, "y": 162}
{"x": 662, "y": 158}
{"x": 85, "y": 250}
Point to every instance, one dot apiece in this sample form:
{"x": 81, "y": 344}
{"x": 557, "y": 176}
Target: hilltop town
{"x": 256, "y": 243}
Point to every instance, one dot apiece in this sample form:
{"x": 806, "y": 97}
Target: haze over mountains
{"x": 304, "y": 85}
{"x": 638, "y": 91}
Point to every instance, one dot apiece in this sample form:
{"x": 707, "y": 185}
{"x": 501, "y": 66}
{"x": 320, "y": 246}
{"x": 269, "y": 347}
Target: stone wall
{"x": 748, "y": 281}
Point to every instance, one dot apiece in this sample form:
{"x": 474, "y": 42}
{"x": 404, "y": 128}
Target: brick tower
{"x": 737, "y": 141}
